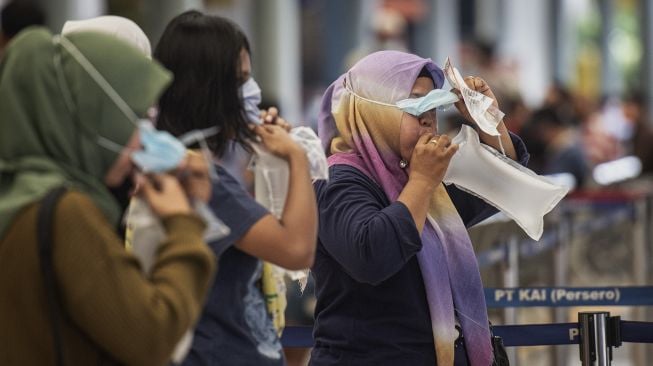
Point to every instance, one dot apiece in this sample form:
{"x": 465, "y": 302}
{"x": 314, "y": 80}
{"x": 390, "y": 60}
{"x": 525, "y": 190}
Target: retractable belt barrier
{"x": 513, "y": 335}
{"x": 596, "y": 333}
{"x": 542, "y": 334}
{"x": 529, "y": 248}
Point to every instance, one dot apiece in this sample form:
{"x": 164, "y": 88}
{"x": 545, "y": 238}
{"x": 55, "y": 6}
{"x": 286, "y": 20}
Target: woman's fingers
{"x": 164, "y": 194}
{"x": 450, "y": 150}
{"x": 283, "y": 124}
{"x": 271, "y": 115}
{"x": 261, "y": 130}
{"x": 425, "y": 138}
{"x": 443, "y": 141}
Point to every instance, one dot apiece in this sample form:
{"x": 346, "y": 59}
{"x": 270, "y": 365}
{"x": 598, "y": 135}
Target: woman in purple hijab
{"x": 397, "y": 281}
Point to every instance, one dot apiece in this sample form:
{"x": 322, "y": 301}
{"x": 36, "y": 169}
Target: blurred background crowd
{"x": 574, "y": 77}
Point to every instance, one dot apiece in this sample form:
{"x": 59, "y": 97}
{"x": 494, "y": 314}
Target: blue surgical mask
{"x": 436, "y": 98}
{"x": 161, "y": 152}
{"x": 251, "y": 99}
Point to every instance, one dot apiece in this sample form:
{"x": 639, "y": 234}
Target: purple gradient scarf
{"x": 359, "y": 126}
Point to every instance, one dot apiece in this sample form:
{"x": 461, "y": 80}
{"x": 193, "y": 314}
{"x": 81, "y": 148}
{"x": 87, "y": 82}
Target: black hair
{"x": 486, "y": 49}
{"x": 425, "y": 73}
{"x": 637, "y": 97}
{"x": 203, "y": 53}
{"x": 547, "y": 116}
{"x": 20, "y": 14}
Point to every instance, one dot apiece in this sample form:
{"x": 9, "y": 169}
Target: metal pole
{"x": 561, "y": 271}
{"x": 511, "y": 279}
{"x": 640, "y": 269}
{"x": 594, "y": 349}
{"x": 640, "y": 255}
{"x": 587, "y": 355}
{"x": 601, "y": 338}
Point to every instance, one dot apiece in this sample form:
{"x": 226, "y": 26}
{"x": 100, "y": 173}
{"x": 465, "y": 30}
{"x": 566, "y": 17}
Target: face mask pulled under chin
{"x": 500, "y": 181}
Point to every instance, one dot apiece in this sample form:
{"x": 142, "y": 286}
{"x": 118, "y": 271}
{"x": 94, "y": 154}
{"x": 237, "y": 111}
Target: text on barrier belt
{"x": 568, "y": 296}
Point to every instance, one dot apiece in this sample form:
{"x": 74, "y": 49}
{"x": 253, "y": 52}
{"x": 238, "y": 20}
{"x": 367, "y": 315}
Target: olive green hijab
{"x": 52, "y": 113}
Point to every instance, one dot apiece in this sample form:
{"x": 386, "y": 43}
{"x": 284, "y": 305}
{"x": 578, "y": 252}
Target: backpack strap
{"x": 44, "y": 236}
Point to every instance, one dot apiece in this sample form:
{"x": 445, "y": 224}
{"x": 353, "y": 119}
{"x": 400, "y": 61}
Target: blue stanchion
{"x": 297, "y": 337}
{"x": 636, "y": 332}
{"x": 537, "y": 334}
{"x": 568, "y": 296}
{"x": 513, "y": 335}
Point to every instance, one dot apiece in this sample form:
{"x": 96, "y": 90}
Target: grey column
{"x": 640, "y": 270}
{"x": 555, "y": 20}
{"x": 277, "y": 66}
{"x": 488, "y": 19}
{"x": 611, "y": 83}
{"x": 58, "y": 12}
{"x": 565, "y": 44}
{"x": 511, "y": 279}
{"x": 437, "y": 36}
{"x": 525, "y": 40}
{"x": 565, "y": 233}
{"x": 646, "y": 30}
{"x": 346, "y": 28}
{"x": 158, "y": 13}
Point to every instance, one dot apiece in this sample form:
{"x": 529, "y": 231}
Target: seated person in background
{"x": 16, "y": 16}
{"x": 555, "y": 146}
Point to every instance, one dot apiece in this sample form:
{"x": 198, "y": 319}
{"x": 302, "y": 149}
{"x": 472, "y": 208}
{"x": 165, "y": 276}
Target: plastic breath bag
{"x": 271, "y": 175}
{"x": 502, "y": 182}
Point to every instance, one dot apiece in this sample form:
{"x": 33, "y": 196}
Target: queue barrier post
{"x": 599, "y": 333}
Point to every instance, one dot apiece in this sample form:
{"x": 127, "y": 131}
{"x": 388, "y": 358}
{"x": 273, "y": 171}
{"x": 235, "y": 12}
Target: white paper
{"x": 480, "y": 107}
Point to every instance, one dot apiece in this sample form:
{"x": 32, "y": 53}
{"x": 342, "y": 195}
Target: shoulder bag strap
{"x": 44, "y": 235}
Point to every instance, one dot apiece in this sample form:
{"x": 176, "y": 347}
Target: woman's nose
{"x": 427, "y": 119}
